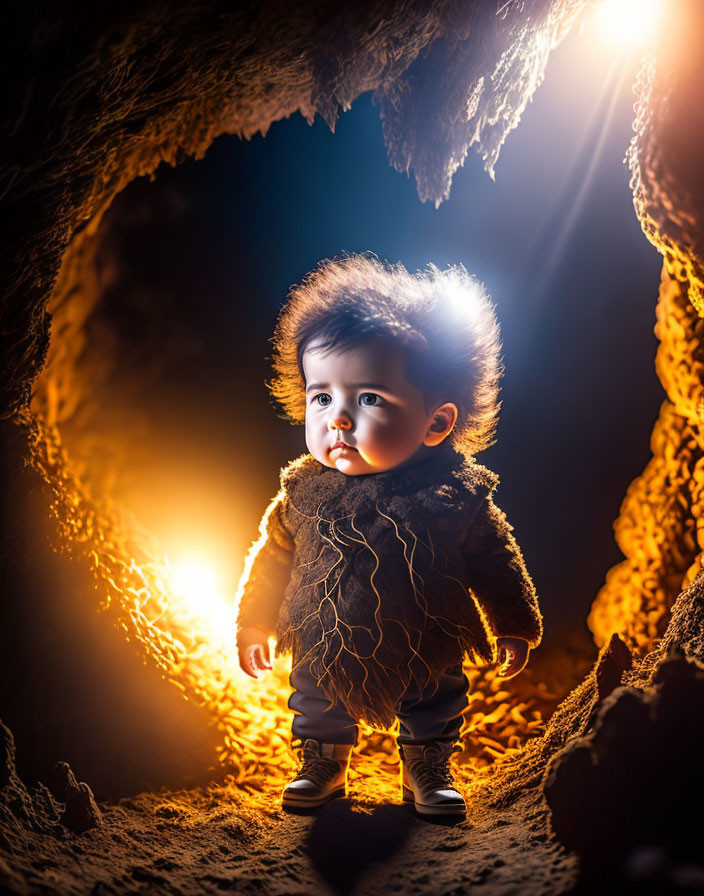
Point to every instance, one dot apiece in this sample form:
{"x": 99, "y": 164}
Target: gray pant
{"x": 424, "y": 715}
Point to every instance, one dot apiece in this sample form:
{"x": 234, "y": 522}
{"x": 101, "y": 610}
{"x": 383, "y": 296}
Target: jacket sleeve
{"x": 267, "y": 570}
{"x": 498, "y": 576}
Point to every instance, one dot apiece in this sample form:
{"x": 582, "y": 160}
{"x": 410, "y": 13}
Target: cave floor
{"x": 209, "y": 840}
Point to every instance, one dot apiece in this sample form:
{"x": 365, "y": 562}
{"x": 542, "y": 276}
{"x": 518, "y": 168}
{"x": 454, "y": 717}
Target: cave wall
{"x": 660, "y": 528}
{"x": 101, "y": 97}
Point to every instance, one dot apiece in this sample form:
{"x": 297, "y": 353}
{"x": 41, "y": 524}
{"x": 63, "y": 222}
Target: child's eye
{"x": 322, "y": 398}
{"x": 369, "y": 399}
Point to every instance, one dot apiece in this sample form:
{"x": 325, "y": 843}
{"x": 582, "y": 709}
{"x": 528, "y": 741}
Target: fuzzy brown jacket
{"x": 372, "y": 580}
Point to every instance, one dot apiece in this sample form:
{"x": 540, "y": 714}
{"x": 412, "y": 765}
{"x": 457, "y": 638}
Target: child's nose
{"x": 340, "y": 421}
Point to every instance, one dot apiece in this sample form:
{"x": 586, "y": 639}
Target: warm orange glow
{"x": 660, "y": 529}
{"x": 197, "y": 584}
{"x": 181, "y": 621}
{"x": 195, "y": 580}
{"x": 179, "y": 610}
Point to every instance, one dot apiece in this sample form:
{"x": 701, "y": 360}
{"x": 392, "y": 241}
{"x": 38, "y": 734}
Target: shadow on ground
{"x": 343, "y": 844}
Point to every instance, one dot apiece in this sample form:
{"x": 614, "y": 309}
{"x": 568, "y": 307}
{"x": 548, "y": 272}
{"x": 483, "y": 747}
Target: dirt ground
{"x": 207, "y": 841}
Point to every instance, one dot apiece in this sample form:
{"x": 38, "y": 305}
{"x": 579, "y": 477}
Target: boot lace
{"x": 314, "y": 767}
{"x": 432, "y": 771}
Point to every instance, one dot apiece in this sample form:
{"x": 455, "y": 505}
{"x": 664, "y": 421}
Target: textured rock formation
{"x": 39, "y": 808}
{"x": 686, "y": 627}
{"x": 22, "y": 808}
{"x": 668, "y": 186}
{"x": 661, "y": 528}
{"x": 634, "y": 780}
{"x": 81, "y": 812}
{"x": 523, "y": 772}
{"x": 625, "y": 795}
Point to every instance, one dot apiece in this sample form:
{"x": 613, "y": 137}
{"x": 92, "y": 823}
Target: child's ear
{"x": 442, "y": 424}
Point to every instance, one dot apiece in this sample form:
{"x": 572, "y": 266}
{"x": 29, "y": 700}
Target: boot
{"x": 322, "y": 775}
{"x": 427, "y": 779}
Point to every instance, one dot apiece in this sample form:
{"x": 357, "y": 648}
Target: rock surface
{"x": 81, "y": 812}
{"x": 635, "y": 782}
{"x": 209, "y": 841}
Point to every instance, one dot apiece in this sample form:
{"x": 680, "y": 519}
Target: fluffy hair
{"x": 443, "y": 319}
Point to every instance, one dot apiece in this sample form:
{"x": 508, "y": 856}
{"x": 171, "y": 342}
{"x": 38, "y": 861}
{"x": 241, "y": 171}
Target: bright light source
{"x": 629, "y": 21}
{"x": 196, "y": 583}
{"x": 194, "y": 580}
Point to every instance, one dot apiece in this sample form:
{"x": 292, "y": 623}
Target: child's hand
{"x": 513, "y": 655}
{"x": 253, "y": 650}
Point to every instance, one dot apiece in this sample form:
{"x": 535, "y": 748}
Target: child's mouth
{"x": 342, "y": 446}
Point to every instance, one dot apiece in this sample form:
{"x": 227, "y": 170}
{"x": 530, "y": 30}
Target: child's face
{"x": 359, "y": 397}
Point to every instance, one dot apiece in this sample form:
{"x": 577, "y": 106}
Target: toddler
{"x": 383, "y": 560}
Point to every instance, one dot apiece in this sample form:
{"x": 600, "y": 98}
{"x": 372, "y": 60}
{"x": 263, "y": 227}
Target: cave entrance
{"x": 160, "y": 399}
